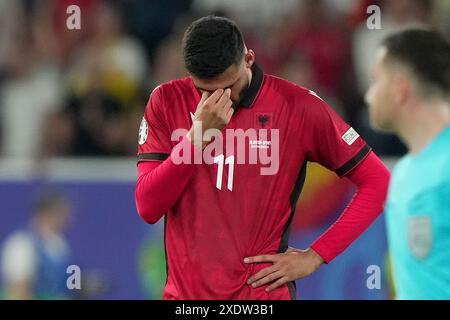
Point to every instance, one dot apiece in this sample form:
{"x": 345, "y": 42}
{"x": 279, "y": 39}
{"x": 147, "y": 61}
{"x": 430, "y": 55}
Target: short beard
{"x": 242, "y": 94}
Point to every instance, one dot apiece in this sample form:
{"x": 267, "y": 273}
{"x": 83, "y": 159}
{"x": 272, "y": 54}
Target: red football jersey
{"x": 229, "y": 210}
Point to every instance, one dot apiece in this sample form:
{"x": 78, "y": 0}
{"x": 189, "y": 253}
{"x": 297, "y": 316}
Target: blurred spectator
{"x": 34, "y": 260}
{"x": 298, "y": 70}
{"x": 98, "y": 125}
{"x": 271, "y": 43}
{"x": 250, "y": 13}
{"x": 358, "y": 13}
{"x": 151, "y": 21}
{"x": 396, "y": 15}
{"x": 309, "y": 46}
{"x": 104, "y": 83}
{"x": 109, "y": 59}
{"x": 10, "y": 19}
{"x": 320, "y": 35}
{"x": 81, "y": 92}
{"x": 168, "y": 61}
{"x": 32, "y": 91}
{"x": 441, "y": 16}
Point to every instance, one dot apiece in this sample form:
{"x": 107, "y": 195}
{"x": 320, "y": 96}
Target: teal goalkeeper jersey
{"x": 418, "y": 222}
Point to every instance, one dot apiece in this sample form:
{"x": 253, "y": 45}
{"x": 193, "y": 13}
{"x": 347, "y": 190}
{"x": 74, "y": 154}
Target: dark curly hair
{"x": 210, "y": 45}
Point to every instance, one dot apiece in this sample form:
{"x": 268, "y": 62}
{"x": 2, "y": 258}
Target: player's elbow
{"x": 372, "y": 178}
{"x": 148, "y": 213}
{"x": 149, "y": 218}
{"x": 383, "y": 178}
{"x": 379, "y": 184}
{"x": 374, "y": 172}
{"x": 146, "y": 208}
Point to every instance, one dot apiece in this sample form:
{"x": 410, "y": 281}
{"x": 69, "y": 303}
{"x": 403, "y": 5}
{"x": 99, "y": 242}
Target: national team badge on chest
{"x": 263, "y": 120}
{"x": 420, "y": 236}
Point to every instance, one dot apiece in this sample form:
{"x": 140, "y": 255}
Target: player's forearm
{"x": 160, "y": 185}
{"x": 372, "y": 179}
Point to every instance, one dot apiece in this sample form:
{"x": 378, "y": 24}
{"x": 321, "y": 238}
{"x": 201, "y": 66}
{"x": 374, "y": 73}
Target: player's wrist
{"x": 198, "y": 142}
{"x": 316, "y": 259}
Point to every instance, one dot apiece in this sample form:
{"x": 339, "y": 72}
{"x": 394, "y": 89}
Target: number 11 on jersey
{"x": 230, "y": 162}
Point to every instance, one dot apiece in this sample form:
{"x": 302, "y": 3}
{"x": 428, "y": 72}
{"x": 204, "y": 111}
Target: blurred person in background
{"x": 320, "y": 34}
{"x": 250, "y": 14}
{"x": 9, "y": 21}
{"x": 32, "y": 86}
{"x": 97, "y": 124}
{"x": 296, "y": 68}
{"x": 395, "y": 15}
{"x": 441, "y": 13}
{"x": 409, "y": 95}
{"x": 152, "y": 21}
{"x": 34, "y": 260}
{"x": 104, "y": 83}
{"x": 167, "y": 59}
{"x": 103, "y": 76}
{"x": 109, "y": 59}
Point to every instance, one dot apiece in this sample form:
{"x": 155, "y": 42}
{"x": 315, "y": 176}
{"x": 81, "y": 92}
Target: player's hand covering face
{"x": 214, "y": 111}
{"x": 237, "y": 78}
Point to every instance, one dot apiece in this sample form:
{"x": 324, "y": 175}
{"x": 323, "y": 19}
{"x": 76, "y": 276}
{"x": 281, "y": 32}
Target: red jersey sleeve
{"x": 154, "y": 136}
{"x": 331, "y": 142}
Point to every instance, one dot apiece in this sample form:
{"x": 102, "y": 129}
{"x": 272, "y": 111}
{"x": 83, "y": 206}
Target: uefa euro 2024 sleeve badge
{"x": 143, "y": 131}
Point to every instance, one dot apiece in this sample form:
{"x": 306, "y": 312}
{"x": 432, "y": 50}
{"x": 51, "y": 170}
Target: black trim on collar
{"x": 252, "y": 91}
{"x": 342, "y": 171}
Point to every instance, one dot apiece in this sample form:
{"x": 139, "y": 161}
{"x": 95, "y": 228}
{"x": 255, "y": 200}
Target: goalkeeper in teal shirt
{"x": 409, "y": 96}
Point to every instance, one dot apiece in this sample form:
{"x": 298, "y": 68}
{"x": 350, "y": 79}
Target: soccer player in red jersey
{"x": 222, "y": 156}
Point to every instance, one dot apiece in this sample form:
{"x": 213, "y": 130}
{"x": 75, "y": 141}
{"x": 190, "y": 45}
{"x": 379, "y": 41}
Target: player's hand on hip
{"x": 289, "y": 266}
{"x": 214, "y": 111}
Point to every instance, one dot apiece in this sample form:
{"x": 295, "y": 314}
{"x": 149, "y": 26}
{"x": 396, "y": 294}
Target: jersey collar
{"x": 252, "y": 91}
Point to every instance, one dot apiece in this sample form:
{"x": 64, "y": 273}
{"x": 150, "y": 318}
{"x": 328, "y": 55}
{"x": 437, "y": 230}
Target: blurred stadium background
{"x": 71, "y": 103}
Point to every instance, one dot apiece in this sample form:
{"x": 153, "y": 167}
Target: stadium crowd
{"x": 83, "y": 92}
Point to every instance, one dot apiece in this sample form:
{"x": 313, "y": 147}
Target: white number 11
{"x": 230, "y": 162}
